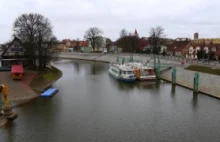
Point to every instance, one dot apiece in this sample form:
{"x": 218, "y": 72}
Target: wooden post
{"x": 196, "y": 82}
{"x": 174, "y": 76}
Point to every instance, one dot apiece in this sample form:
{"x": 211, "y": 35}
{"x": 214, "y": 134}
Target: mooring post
{"x": 158, "y": 72}
{"x": 155, "y": 62}
{"x": 117, "y": 59}
{"x": 174, "y": 76}
{"x": 158, "y": 63}
{"x": 196, "y": 83}
{"x": 123, "y": 60}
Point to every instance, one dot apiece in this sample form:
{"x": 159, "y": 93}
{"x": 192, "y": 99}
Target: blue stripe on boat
{"x": 122, "y": 79}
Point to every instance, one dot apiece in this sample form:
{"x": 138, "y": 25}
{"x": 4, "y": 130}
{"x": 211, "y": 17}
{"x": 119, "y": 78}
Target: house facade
{"x": 177, "y": 47}
{"x": 113, "y": 48}
{"x": 13, "y": 54}
{"x": 197, "y": 44}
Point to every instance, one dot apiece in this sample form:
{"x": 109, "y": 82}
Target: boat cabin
{"x": 17, "y": 71}
{"x": 125, "y": 70}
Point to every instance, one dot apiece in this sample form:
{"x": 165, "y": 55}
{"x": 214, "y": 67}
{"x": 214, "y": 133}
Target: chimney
{"x": 196, "y": 35}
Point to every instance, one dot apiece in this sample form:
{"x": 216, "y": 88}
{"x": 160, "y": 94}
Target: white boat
{"x": 122, "y": 72}
{"x": 142, "y": 72}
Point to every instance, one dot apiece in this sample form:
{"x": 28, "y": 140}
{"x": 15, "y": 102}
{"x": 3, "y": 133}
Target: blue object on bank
{"x": 49, "y": 92}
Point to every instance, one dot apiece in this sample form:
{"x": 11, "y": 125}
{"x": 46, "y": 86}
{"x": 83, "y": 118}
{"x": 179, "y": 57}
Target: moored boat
{"x": 122, "y": 72}
{"x": 142, "y": 72}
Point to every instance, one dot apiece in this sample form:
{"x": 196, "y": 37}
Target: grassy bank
{"x": 45, "y": 79}
{"x": 203, "y": 69}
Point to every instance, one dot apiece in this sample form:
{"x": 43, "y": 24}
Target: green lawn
{"x": 203, "y": 69}
{"x": 45, "y": 77}
{"x": 50, "y": 74}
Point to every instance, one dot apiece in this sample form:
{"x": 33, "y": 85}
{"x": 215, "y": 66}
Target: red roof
{"x": 142, "y": 43}
{"x": 178, "y": 46}
{"x": 218, "y": 52}
{"x": 17, "y": 69}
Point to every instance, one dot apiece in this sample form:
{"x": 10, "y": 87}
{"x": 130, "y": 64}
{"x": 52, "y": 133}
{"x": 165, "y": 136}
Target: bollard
{"x": 174, "y": 76}
{"x": 158, "y": 72}
{"x": 155, "y": 62}
{"x": 158, "y": 63}
{"x": 196, "y": 82}
{"x": 123, "y": 60}
{"x": 117, "y": 59}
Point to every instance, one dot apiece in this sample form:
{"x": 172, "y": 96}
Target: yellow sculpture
{"x": 4, "y": 90}
{"x": 7, "y": 110}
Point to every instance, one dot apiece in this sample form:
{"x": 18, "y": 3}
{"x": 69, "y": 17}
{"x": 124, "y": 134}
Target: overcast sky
{"x": 70, "y": 18}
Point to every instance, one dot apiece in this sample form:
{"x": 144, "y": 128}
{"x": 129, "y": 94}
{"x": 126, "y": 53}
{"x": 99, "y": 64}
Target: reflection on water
{"x": 173, "y": 90}
{"x": 97, "y": 68}
{"x": 195, "y": 100}
{"x": 93, "y": 106}
{"x": 76, "y": 67}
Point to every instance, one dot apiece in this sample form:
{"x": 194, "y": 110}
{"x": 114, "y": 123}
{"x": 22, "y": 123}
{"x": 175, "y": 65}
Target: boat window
{"x": 129, "y": 72}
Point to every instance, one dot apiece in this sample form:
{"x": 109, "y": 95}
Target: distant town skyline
{"x": 71, "y": 18}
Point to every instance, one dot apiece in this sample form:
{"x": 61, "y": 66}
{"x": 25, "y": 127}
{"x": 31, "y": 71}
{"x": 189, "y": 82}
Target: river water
{"x": 93, "y": 107}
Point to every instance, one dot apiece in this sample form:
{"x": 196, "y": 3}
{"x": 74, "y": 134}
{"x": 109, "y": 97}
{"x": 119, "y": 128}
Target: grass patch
{"x": 204, "y": 69}
{"x": 45, "y": 78}
{"x": 50, "y": 74}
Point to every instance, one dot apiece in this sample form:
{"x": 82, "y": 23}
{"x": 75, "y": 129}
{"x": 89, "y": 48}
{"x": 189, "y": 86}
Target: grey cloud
{"x": 70, "y": 18}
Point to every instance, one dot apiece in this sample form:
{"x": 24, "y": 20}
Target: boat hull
{"x": 146, "y": 78}
{"x": 122, "y": 79}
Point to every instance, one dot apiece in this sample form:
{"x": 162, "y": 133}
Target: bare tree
{"x": 77, "y": 46}
{"x": 93, "y": 34}
{"x": 130, "y": 34}
{"x": 35, "y": 31}
{"x": 123, "y": 33}
{"x": 108, "y": 41}
{"x": 99, "y": 42}
{"x": 128, "y": 43}
{"x": 156, "y": 37}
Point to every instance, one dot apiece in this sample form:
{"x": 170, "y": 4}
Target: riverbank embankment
{"x": 45, "y": 79}
{"x": 25, "y": 90}
{"x": 208, "y": 84}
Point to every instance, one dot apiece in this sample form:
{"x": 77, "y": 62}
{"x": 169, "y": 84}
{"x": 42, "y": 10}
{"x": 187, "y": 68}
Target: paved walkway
{"x": 3, "y": 121}
{"x": 208, "y": 84}
{"x": 112, "y": 57}
{"x": 19, "y": 90}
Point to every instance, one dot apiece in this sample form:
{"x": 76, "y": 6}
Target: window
{"x": 115, "y": 71}
{"x": 16, "y": 45}
{"x": 129, "y": 72}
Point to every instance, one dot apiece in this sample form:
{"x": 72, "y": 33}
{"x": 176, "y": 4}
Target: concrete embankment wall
{"x": 208, "y": 84}
{"x": 110, "y": 57}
